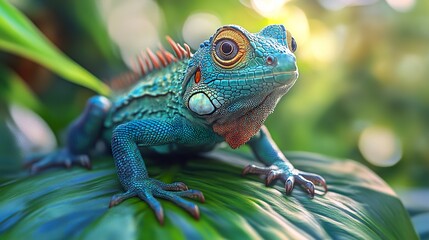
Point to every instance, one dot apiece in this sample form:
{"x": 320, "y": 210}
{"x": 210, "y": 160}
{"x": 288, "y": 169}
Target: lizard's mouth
{"x": 284, "y": 78}
{"x": 249, "y": 79}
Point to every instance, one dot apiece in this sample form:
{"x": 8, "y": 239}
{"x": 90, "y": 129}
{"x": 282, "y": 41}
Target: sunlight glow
{"x": 295, "y": 20}
{"x": 199, "y": 27}
{"x": 380, "y": 146}
{"x": 132, "y": 24}
{"x": 401, "y": 5}
{"x": 340, "y": 4}
{"x": 322, "y": 45}
{"x": 268, "y": 8}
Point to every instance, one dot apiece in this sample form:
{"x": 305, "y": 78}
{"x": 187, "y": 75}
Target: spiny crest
{"x": 147, "y": 61}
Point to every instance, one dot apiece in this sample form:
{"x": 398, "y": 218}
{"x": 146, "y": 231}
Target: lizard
{"x": 190, "y": 103}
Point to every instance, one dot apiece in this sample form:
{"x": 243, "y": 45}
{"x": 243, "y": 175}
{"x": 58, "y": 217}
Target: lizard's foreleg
{"x": 81, "y": 137}
{"x": 132, "y": 171}
{"x": 278, "y": 167}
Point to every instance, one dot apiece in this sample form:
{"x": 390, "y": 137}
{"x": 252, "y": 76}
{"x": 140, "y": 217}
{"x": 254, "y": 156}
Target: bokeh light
{"x": 380, "y": 146}
{"x": 132, "y": 24}
{"x": 296, "y": 22}
{"x": 339, "y": 4}
{"x": 199, "y": 27}
{"x": 31, "y": 131}
{"x": 401, "y": 5}
{"x": 268, "y": 8}
{"x": 322, "y": 45}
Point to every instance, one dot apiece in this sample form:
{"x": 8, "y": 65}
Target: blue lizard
{"x": 190, "y": 103}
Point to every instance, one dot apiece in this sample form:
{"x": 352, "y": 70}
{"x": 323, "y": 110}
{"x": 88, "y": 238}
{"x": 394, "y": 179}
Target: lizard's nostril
{"x": 272, "y": 61}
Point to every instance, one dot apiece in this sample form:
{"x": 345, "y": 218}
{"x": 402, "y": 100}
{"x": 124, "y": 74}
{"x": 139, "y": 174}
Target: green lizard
{"x": 189, "y": 103}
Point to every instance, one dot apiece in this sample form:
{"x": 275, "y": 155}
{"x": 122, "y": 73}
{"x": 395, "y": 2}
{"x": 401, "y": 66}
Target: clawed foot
{"x": 148, "y": 189}
{"x": 289, "y": 176}
{"x": 58, "y": 158}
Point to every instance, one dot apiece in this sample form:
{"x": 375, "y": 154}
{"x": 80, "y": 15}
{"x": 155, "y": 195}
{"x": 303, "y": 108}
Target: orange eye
{"x": 229, "y": 48}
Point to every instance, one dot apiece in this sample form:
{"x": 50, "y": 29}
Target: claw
{"x": 150, "y": 189}
{"x": 155, "y": 205}
{"x": 67, "y": 163}
{"x": 310, "y": 189}
{"x": 85, "y": 162}
{"x": 195, "y": 212}
{"x": 289, "y": 176}
{"x": 182, "y": 186}
{"x": 246, "y": 170}
{"x": 118, "y": 198}
{"x": 270, "y": 177}
{"x": 289, "y": 185}
{"x": 307, "y": 185}
{"x": 194, "y": 194}
{"x": 316, "y": 179}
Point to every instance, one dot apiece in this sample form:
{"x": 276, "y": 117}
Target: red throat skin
{"x": 238, "y": 131}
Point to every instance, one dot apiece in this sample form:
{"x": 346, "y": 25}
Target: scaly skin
{"x": 224, "y": 92}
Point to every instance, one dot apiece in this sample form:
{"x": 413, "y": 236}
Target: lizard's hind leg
{"x": 81, "y": 137}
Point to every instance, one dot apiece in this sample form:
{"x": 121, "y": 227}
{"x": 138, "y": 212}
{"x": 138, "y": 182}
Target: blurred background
{"x": 362, "y": 94}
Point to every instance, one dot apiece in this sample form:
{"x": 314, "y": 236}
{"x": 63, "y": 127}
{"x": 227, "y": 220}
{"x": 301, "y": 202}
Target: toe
{"x": 289, "y": 184}
{"x": 42, "y": 164}
{"x": 84, "y": 161}
{"x": 118, "y": 198}
{"x": 316, "y": 179}
{"x": 271, "y": 176}
{"x": 256, "y": 170}
{"x": 194, "y": 194}
{"x": 187, "y": 205}
{"x": 307, "y": 185}
{"x": 176, "y": 186}
{"x": 155, "y": 205}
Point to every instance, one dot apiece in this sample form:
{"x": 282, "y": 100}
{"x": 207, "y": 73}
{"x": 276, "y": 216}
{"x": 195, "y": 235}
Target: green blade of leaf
{"x": 19, "y": 36}
{"x": 89, "y": 18}
{"x": 15, "y": 90}
{"x": 359, "y": 205}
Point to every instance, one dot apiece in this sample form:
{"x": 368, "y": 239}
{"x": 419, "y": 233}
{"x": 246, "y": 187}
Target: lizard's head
{"x": 236, "y": 78}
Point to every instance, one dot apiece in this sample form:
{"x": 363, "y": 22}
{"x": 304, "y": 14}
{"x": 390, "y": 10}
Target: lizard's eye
{"x": 293, "y": 45}
{"x": 226, "y": 49}
{"x": 229, "y": 47}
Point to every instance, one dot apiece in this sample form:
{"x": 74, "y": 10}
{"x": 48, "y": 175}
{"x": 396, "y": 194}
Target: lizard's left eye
{"x": 293, "y": 44}
{"x": 226, "y": 49}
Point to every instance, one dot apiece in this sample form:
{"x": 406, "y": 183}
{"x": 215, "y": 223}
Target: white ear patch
{"x": 200, "y": 104}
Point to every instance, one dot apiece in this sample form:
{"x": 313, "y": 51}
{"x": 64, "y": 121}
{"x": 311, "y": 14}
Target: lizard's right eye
{"x": 229, "y": 47}
{"x": 226, "y": 49}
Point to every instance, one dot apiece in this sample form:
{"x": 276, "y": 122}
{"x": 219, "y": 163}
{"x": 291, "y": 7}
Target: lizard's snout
{"x": 282, "y": 62}
{"x": 284, "y": 67}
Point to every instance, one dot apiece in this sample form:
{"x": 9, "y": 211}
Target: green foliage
{"x": 373, "y": 74}
{"x": 19, "y": 36}
{"x": 73, "y": 204}
{"x": 15, "y": 90}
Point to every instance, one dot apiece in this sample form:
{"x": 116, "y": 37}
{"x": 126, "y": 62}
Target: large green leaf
{"x": 19, "y": 36}
{"x": 73, "y": 204}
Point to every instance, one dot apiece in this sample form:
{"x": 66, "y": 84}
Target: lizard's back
{"x": 158, "y": 96}
{"x": 155, "y": 95}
